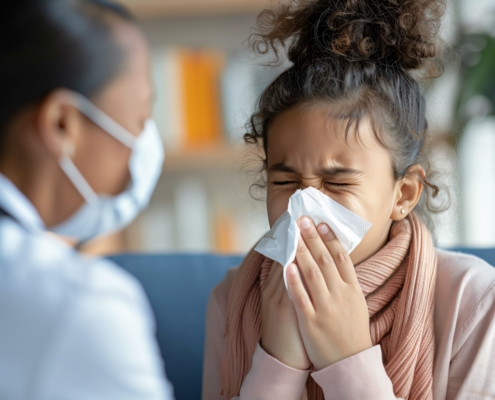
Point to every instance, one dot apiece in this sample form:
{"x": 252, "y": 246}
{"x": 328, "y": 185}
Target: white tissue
{"x": 280, "y": 243}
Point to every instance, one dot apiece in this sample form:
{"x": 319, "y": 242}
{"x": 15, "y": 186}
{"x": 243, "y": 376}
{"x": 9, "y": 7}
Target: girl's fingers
{"x": 311, "y": 275}
{"x": 319, "y": 252}
{"x": 300, "y": 298}
{"x": 341, "y": 258}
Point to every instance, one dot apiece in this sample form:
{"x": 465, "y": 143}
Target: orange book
{"x": 224, "y": 233}
{"x": 201, "y": 71}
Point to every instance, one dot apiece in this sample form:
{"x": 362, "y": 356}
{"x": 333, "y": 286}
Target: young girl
{"x": 396, "y": 318}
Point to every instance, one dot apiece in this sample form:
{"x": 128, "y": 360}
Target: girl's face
{"x": 308, "y": 148}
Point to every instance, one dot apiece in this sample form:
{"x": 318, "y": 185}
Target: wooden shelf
{"x": 166, "y": 8}
{"x": 217, "y": 157}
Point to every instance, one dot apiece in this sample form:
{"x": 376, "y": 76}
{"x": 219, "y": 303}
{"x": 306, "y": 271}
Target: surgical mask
{"x": 280, "y": 243}
{"x": 102, "y": 214}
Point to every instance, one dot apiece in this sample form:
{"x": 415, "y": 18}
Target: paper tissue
{"x": 280, "y": 243}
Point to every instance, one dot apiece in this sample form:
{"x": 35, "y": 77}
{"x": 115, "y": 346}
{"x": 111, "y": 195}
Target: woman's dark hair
{"x": 50, "y": 44}
{"x": 363, "y": 57}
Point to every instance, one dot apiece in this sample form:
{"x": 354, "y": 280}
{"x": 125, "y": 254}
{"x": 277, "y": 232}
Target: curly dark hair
{"x": 366, "y": 59}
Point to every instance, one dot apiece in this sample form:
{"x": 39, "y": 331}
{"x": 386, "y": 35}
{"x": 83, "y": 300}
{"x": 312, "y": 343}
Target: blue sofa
{"x": 178, "y": 287}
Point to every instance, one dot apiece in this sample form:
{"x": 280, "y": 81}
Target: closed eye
{"x": 285, "y": 183}
{"x": 336, "y": 184}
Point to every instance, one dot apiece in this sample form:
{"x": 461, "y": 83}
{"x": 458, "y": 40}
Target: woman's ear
{"x": 409, "y": 190}
{"x": 58, "y": 122}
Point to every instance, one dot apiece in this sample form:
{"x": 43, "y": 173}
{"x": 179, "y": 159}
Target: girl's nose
{"x": 317, "y": 184}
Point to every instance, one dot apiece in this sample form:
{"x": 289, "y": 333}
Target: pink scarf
{"x": 398, "y": 282}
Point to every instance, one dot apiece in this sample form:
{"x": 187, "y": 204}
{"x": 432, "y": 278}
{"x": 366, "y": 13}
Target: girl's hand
{"x": 280, "y": 335}
{"x": 332, "y": 314}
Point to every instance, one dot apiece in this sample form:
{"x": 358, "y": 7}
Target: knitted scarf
{"x": 398, "y": 283}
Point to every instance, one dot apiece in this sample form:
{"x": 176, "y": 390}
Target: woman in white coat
{"x": 80, "y": 157}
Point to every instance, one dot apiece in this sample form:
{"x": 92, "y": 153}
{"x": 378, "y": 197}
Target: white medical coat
{"x": 71, "y": 328}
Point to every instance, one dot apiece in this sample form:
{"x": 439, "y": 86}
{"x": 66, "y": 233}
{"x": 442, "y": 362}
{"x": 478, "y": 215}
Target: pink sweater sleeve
{"x": 361, "y": 376}
{"x": 269, "y": 379}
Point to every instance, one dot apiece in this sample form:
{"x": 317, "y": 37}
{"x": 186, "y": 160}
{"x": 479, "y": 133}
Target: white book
{"x": 239, "y": 96}
{"x": 157, "y": 60}
{"x": 174, "y": 99}
{"x": 157, "y": 228}
{"x": 169, "y": 109}
{"x": 194, "y": 230}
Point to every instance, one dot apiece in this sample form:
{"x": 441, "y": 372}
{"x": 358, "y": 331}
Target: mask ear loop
{"x": 106, "y": 123}
{"x": 76, "y": 178}
{"x": 101, "y": 119}
{"x": 110, "y": 126}
{"x": 73, "y": 173}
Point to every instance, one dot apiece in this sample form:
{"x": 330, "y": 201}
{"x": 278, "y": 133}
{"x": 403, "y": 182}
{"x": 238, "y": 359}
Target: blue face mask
{"x": 102, "y": 214}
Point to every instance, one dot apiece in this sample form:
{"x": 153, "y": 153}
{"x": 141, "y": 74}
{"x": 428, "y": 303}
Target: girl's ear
{"x": 408, "y": 192}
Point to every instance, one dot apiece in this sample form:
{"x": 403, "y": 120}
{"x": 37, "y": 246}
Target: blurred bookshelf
{"x": 206, "y": 85}
{"x": 212, "y": 158}
{"x": 166, "y": 8}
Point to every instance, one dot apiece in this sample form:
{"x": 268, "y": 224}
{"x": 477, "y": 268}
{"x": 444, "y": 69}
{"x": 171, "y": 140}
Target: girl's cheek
{"x": 277, "y": 203}
{"x": 352, "y": 201}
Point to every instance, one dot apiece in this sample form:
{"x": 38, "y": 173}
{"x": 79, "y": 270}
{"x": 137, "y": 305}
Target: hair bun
{"x": 401, "y": 33}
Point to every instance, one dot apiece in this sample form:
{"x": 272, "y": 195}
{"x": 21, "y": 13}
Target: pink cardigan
{"x": 464, "y": 366}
